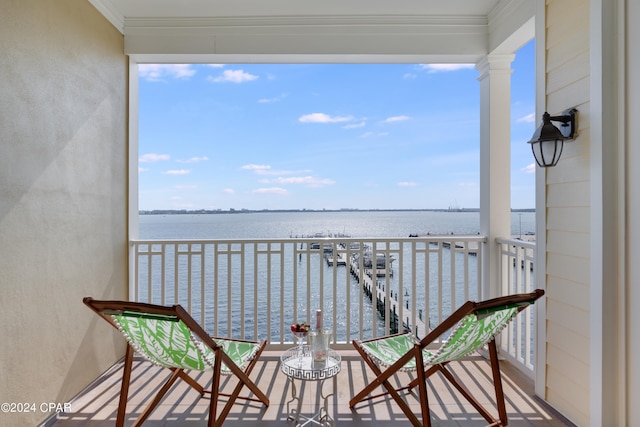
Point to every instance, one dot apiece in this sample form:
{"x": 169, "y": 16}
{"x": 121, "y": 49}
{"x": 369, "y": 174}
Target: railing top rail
{"x": 428, "y": 238}
{"x": 516, "y": 242}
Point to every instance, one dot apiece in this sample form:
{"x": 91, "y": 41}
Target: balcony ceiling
{"x": 327, "y": 30}
{"x": 261, "y": 8}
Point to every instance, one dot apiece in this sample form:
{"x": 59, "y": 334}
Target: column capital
{"x": 494, "y": 62}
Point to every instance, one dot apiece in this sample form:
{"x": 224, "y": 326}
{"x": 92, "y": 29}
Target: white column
{"x": 541, "y": 211}
{"x": 495, "y": 162}
{"x": 133, "y": 205}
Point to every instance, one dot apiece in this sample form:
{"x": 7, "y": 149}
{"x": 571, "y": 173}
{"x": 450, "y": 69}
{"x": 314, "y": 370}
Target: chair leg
{"x": 497, "y": 382}
{"x": 467, "y": 395}
{"x": 432, "y": 370}
{"x": 124, "y": 387}
{"x": 243, "y": 376}
{"x": 236, "y": 392}
{"x": 124, "y": 391}
{"x": 362, "y": 395}
{"x": 158, "y": 397}
{"x": 387, "y": 385}
{"x": 227, "y": 407}
{"x": 193, "y": 383}
{"x": 422, "y": 388}
{"x": 215, "y": 388}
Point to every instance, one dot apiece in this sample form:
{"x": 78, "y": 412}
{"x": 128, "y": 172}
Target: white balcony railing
{"x": 254, "y": 289}
{"x": 257, "y": 288}
{"x": 517, "y": 258}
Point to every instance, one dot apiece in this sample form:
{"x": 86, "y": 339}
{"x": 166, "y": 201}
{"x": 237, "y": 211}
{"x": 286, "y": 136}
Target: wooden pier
{"x": 339, "y": 259}
{"x": 376, "y": 292}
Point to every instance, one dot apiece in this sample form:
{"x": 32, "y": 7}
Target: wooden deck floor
{"x": 183, "y": 407}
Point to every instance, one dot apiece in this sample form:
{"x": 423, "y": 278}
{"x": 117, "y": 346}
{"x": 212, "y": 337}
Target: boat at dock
{"x": 317, "y": 245}
{"x": 380, "y": 260}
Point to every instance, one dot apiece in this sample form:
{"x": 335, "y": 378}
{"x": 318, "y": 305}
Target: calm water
{"x": 275, "y": 225}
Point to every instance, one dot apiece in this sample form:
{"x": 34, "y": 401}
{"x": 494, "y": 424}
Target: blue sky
{"x": 322, "y": 136}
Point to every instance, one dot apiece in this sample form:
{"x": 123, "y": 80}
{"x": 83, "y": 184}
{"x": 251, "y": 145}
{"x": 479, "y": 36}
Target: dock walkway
{"x": 339, "y": 259}
{"x": 372, "y": 288}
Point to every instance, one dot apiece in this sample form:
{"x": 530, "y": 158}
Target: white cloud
{"x": 153, "y": 157}
{"x": 323, "y": 118}
{"x": 529, "y": 118}
{"x": 185, "y": 187}
{"x": 409, "y": 76}
{"x": 143, "y": 169}
{"x": 259, "y": 169}
{"x": 395, "y": 119}
{"x": 266, "y": 170}
{"x": 215, "y": 65}
{"x": 529, "y": 168}
{"x": 177, "y": 172}
{"x": 407, "y": 184}
{"x": 229, "y": 191}
{"x": 194, "y": 160}
{"x": 443, "y": 68}
{"x": 306, "y": 180}
{"x": 272, "y": 190}
{"x": 272, "y": 100}
{"x": 162, "y": 72}
{"x": 354, "y": 126}
{"x": 233, "y": 76}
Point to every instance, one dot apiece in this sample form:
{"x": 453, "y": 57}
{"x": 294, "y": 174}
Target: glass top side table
{"x": 299, "y": 365}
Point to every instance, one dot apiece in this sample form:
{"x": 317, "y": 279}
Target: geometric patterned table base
{"x": 298, "y": 365}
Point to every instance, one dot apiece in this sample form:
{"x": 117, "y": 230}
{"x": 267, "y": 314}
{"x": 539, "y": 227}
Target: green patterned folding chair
{"x": 472, "y": 326}
{"x": 169, "y": 337}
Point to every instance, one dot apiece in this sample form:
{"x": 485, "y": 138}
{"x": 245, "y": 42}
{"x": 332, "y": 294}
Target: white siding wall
{"x": 63, "y": 198}
{"x": 633, "y": 214}
{"x": 568, "y": 213}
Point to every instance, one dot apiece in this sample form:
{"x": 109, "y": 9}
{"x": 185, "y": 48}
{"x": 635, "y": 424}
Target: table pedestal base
{"x": 321, "y": 417}
{"x": 298, "y": 364}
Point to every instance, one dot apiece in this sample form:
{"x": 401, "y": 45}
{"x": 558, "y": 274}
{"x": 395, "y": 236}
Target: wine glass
{"x": 300, "y": 331}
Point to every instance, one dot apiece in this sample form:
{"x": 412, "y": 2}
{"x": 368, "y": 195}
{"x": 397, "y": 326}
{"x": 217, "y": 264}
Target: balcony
{"x": 183, "y": 407}
{"x": 365, "y": 287}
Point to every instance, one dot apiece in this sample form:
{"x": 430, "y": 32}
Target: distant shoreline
{"x": 241, "y": 211}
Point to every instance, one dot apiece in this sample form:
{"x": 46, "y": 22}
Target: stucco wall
{"x": 568, "y": 210}
{"x": 63, "y": 192}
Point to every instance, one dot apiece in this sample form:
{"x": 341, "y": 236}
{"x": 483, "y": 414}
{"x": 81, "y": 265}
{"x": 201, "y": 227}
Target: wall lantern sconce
{"x": 547, "y": 141}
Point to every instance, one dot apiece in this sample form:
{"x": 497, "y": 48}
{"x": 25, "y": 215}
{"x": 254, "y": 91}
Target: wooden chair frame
{"x": 521, "y": 301}
{"x": 105, "y": 308}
